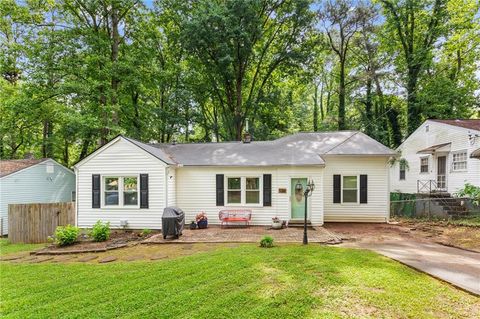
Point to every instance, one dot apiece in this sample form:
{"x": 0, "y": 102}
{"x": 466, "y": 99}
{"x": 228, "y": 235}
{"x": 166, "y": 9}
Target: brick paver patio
{"x": 252, "y": 234}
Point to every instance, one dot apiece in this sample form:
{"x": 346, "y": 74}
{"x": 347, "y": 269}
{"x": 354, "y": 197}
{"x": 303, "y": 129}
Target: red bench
{"x": 235, "y": 216}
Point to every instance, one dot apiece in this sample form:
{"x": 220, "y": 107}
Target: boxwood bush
{"x": 66, "y": 235}
{"x": 266, "y": 242}
{"x": 100, "y": 231}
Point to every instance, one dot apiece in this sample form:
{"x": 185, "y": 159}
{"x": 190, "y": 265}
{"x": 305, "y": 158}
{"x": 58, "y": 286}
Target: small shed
{"x": 28, "y": 181}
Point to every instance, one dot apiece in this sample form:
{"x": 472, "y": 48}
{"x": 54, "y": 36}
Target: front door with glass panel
{"x": 442, "y": 172}
{"x": 297, "y": 199}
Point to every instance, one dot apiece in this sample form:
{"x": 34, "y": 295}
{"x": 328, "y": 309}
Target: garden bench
{"x": 235, "y": 216}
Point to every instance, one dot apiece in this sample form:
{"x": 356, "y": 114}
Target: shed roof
{"x": 8, "y": 167}
{"x": 297, "y": 149}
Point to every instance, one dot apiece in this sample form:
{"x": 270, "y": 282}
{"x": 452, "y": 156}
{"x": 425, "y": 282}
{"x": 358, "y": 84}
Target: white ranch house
{"x": 127, "y": 181}
{"x": 441, "y": 156}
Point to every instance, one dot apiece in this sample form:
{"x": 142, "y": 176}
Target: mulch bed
{"x": 118, "y": 239}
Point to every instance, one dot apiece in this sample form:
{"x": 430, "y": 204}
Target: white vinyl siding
{"x": 377, "y": 171}
{"x": 122, "y": 158}
{"x": 196, "y": 192}
{"x": 46, "y": 182}
{"x": 438, "y": 133}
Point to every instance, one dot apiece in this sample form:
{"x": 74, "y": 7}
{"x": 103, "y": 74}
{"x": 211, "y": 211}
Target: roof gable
{"x": 472, "y": 124}
{"x": 8, "y": 167}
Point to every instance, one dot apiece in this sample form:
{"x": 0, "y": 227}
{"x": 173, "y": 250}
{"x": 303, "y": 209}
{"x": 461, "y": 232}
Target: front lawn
{"x": 6, "y": 247}
{"x": 289, "y": 281}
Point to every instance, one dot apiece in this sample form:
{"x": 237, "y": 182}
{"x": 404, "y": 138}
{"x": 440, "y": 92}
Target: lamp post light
{"x": 308, "y": 192}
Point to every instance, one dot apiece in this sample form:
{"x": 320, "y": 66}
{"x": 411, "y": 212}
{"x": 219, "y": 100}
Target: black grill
{"x": 173, "y": 221}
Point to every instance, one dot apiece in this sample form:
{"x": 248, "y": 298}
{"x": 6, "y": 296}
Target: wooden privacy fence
{"x": 33, "y": 223}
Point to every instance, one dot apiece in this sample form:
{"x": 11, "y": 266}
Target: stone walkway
{"x": 252, "y": 234}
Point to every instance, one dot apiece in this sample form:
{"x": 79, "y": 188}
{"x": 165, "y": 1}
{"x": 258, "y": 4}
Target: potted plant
{"x": 193, "y": 225}
{"x": 202, "y": 220}
{"x": 276, "y": 223}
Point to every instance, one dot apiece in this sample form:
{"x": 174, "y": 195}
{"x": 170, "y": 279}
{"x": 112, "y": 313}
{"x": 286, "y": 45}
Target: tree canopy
{"x": 76, "y": 73}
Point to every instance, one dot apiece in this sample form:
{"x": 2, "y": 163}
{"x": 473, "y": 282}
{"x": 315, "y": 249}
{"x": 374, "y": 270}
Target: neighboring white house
{"x": 33, "y": 181}
{"x": 127, "y": 181}
{"x": 441, "y": 155}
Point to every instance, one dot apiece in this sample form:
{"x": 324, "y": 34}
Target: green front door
{"x": 297, "y": 199}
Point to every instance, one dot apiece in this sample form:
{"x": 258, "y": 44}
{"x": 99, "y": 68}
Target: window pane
{"x": 234, "y": 183}
{"x": 111, "y": 183}
{"x": 111, "y": 198}
{"x": 130, "y": 184}
{"x": 253, "y": 183}
{"x": 130, "y": 198}
{"x": 252, "y": 197}
{"x": 234, "y": 197}
{"x": 349, "y": 196}
{"x": 349, "y": 181}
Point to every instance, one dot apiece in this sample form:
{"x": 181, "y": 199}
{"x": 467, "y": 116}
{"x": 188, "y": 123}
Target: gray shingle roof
{"x": 297, "y": 149}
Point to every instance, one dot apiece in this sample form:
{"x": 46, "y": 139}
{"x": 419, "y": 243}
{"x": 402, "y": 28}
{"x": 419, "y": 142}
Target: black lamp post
{"x": 308, "y": 192}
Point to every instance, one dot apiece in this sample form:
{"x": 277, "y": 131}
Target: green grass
{"x": 243, "y": 282}
{"x": 6, "y": 247}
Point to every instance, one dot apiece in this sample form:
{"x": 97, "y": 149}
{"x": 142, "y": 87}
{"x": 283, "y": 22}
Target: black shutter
{"x": 363, "y": 189}
{"x": 337, "y": 185}
{"x": 95, "y": 191}
{"x": 220, "y": 190}
{"x": 267, "y": 189}
{"x": 143, "y": 190}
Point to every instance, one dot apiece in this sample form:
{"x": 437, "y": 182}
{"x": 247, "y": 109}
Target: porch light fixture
{"x": 308, "y": 192}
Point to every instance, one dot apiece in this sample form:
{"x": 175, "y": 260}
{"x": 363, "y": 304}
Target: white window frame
{"x": 428, "y": 164}
{"x": 243, "y": 190}
{"x": 121, "y": 205}
{"x": 358, "y": 189}
{"x": 464, "y": 161}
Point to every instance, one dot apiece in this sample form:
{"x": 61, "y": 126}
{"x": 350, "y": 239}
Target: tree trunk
{"x": 47, "y": 139}
{"x": 341, "y": 97}
{"x": 393, "y": 116}
{"x": 315, "y": 109}
{"x": 368, "y": 108}
{"x": 413, "y": 114}
{"x": 66, "y": 157}
{"x": 85, "y": 146}
{"x": 114, "y": 58}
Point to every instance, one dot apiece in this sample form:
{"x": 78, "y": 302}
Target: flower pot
{"x": 193, "y": 225}
{"x": 277, "y": 224}
{"x": 202, "y": 224}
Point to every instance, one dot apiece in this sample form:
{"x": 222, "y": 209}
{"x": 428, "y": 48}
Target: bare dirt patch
{"x": 438, "y": 232}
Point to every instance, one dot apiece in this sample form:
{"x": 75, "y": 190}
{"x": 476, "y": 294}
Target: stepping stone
{"x": 62, "y": 258}
{"x": 41, "y": 259}
{"x": 87, "y": 258}
{"x": 107, "y": 259}
{"x": 157, "y": 257}
{"x": 7, "y": 258}
{"x": 134, "y": 257}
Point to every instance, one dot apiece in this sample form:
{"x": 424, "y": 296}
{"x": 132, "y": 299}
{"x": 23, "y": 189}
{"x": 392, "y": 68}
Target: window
{"x": 459, "y": 161}
{"x": 252, "y": 195}
{"x": 350, "y": 189}
{"x": 234, "y": 191}
{"x": 120, "y": 191}
{"x": 402, "y": 171}
{"x": 244, "y": 190}
{"x": 130, "y": 191}
{"x": 111, "y": 191}
{"x": 424, "y": 165}
{"x": 74, "y": 196}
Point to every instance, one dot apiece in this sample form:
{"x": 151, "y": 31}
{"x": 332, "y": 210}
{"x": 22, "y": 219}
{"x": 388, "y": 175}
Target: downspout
{"x": 167, "y": 170}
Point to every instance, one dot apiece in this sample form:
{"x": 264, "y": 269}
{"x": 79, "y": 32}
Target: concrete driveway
{"x": 459, "y": 267}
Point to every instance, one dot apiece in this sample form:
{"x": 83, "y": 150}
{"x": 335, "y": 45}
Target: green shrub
{"x": 470, "y": 191}
{"x": 146, "y": 232}
{"x": 66, "y": 235}
{"x": 266, "y": 242}
{"x": 100, "y": 231}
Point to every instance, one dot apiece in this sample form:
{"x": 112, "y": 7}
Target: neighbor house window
{"x": 424, "y": 165}
{"x": 121, "y": 191}
{"x": 243, "y": 190}
{"x": 402, "y": 171}
{"x": 252, "y": 191}
{"x": 234, "y": 191}
{"x": 459, "y": 161}
{"x": 350, "y": 189}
